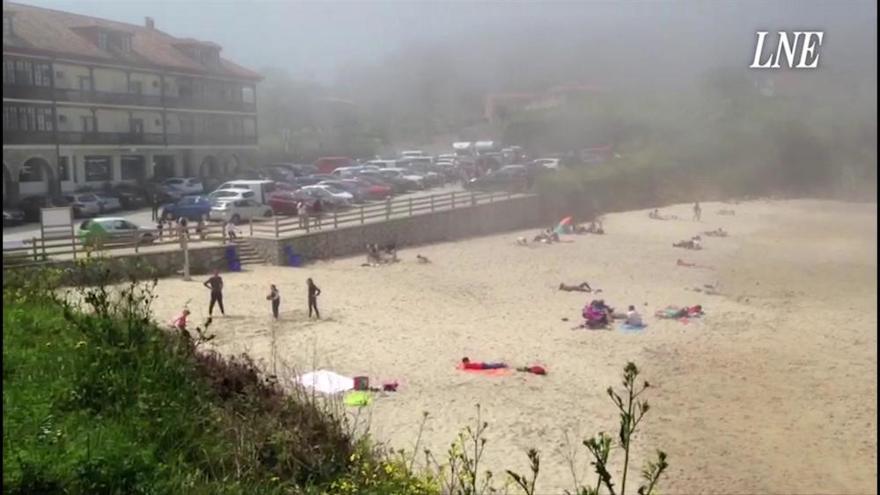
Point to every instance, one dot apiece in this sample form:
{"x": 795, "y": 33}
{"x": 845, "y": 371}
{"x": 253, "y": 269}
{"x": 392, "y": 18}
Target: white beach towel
{"x": 327, "y": 382}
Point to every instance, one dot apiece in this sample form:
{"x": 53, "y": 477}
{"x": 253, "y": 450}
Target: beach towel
{"x": 326, "y": 382}
{"x": 492, "y": 372}
{"x": 624, "y": 327}
{"x": 357, "y": 398}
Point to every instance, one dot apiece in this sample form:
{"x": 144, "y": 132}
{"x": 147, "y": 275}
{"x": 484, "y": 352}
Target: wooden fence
{"x": 64, "y": 247}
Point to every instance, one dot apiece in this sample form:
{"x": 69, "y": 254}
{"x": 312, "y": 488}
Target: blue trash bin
{"x": 294, "y": 260}
{"x": 234, "y": 265}
{"x": 230, "y": 253}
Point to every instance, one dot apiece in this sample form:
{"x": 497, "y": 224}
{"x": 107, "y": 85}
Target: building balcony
{"x": 124, "y": 99}
{"x": 65, "y": 138}
{"x": 208, "y": 139}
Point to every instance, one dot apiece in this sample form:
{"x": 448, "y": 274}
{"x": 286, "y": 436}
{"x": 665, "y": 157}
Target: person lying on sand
{"x": 686, "y": 264}
{"x": 655, "y": 215}
{"x": 522, "y": 241}
{"x": 478, "y": 365}
{"x": 596, "y": 228}
{"x": 719, "y": 232}
{"x": 534, "y": 369}
{"x": 422, "y": 259}
{"x": 580, "y": 229}
{"x": 726, "y": 212}
{"x": 693, "y": 243}
{"x": 674, "y": 312}
{"x": 581, "y": 287}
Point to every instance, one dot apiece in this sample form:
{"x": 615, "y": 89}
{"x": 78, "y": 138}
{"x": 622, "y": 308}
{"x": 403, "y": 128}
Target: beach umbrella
{"x": 560, "y": 228}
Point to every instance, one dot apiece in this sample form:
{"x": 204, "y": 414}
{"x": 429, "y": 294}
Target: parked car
{"x": 284, "y": 202}
{"x": 108, "y": 203}
{"x": 398, "y": 184}
{"x": 238, "y": 210}
{"x": 347, "y": 171}
{"x": 508, "y": 178}
{"x": 184, "y": 185}
{"x": 12, "y": 216}
{"x": 84, "y": 204}
{"x": 328, "y": 164}
{"x": 31, "y": 206}
{"x": 261, "y": 188}
{"x": 113, "y": 229}
{"x": 552, "y": 163}
{"x": 328, "y": 199}
{"x": 131, "y": 197}
{"x": 416, "y": 181}
{"x": 190, "y": 207}
{"x": 412, "y": 153}
{"x": 354, "y": 189}
{"x": 376, "y": 188}
{"x": 427, "y": 171}
{"x": 229, "y": 194}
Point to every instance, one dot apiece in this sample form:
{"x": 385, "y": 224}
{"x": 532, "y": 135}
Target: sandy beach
{"x": 773, "y": 391}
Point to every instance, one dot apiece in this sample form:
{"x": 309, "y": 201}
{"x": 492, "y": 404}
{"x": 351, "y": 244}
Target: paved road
{"x": 143, "y": 216}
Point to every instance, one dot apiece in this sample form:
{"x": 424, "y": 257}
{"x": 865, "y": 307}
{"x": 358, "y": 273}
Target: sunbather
{"x": 581, "y": 287}
{"x": 534, "y": 369}
{"x": 719, "y": 232}
{"x": 674, "y": 312}
{"x": 422, "y": 259}
{"x": 522, "y": 241}
{"x": 468, "y": 365}
{"x": 633, "y": 318}
{"x": 596, "y": 228}
{"x": 688, "y": 244}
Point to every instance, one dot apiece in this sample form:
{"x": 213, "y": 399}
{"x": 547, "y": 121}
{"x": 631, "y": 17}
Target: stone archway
{"x": 36, "y": 178}
{"x": 10, "y": 187}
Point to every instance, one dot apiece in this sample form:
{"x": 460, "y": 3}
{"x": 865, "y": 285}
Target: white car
{"x": 412, "y": 153}
{"x": 552, "y": 163}
{"x": 109, "y": 203}
{"x": 232, "y": 194}
{"x": 238, "y": 210}
{"x": 184, "y": 185}
{"x": 114, "y": 229}
{"x": 84, "y": 204}
{"x": 403, "y": 173}
{"x": 340, "y": 194}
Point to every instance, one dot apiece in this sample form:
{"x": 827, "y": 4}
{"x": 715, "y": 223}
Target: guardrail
{"x": 38, "y": 250}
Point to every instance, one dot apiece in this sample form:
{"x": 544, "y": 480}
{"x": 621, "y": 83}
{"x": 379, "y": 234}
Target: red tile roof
{"x": 40, "y": 31}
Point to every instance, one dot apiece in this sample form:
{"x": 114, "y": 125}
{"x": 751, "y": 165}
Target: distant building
{"x": 88, "y": 101}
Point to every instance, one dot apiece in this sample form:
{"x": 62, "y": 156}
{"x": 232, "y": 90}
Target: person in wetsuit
{"x": 314, "y": 292}
{"x": 215, "y": 283}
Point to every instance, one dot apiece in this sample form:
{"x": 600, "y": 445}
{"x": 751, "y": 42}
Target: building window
{"x": 63, "y": 169}
{"x": 30, "y": 172}
{"x": 10, "y": 118}
{"x": 125, "y": 43}
{"x": 98, "y": 169}
{"x": 85, "y": 83}
{"x": 88, "y": 124}
{"x": 42, "y": 75}
{"x": 136, "y": 126}
{"x": 132, "y": 167}
{"x": 24, "y": 75}
{"x": 26, "y": 118}
{"x": 102, "y": 40}
{"x": 8, "y": 72}
{"x": 136, "y": 87}
{"x": 44, "y": 119}
{"x": 247, "y": 94}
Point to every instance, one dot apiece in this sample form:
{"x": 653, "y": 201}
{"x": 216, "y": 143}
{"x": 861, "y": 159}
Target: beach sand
{"x": 773, "y": 391}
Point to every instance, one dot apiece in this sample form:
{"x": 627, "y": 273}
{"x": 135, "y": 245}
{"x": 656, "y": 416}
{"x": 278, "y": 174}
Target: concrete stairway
{"x": 247, "y": 255}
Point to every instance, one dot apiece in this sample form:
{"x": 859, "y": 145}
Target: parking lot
{"x": 143, "y": 216}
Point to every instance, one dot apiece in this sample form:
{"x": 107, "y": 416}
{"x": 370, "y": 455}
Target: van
{"x": 261, "y": 188}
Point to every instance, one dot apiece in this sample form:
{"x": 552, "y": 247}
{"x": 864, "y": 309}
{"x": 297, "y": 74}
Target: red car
{"x": 374, "y": 188}
{"x": 328, "y": 164}
{"x": 283, "y": 202}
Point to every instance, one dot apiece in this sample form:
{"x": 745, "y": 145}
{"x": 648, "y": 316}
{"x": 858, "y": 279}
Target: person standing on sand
{"x": 215, "y": 283}
{"x": 697, "y": 211}
{"x": 275, "y": 297}
{"x": 314, "y": 292}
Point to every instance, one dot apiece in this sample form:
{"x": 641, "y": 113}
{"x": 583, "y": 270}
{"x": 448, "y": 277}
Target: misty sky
{"x": 313, "y": 39}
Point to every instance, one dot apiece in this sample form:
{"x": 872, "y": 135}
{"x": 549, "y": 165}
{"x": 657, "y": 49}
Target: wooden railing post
{"x": 335, "y": 219}
{"x": 34, "y": 244}
{"x": 43, "y": 246}
{"x": 473, "y": 199}
{"x": 410, "y": 206}
{"x": 251, "y": 226}
{"x": 362, "y": 214}
{"x": 432, "y": 203}
{"x": 276, "y": 226}
{"x": 388, "y": 208}
{"x": 453, "y": 200}
{"x": 73, "y": 246}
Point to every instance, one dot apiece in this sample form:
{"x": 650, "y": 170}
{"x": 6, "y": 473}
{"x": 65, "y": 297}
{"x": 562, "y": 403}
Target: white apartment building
{"x": 88, "y": 101}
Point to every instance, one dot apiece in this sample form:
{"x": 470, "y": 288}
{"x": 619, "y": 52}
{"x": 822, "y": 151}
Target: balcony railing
{"x": 122, "y": 138}
{"x": 126, "y": 99}
{"x": 184, "y": 139}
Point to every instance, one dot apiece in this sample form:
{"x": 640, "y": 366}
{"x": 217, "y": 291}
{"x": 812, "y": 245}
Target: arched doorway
{"x": 10, "y": 187}
{"x": 36, "y": 178}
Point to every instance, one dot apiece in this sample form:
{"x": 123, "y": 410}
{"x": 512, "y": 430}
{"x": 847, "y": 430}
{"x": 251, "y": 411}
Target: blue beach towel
{"x": 631, "y": 328}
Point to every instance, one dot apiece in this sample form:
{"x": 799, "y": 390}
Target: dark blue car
{"x": 190, "y": 207}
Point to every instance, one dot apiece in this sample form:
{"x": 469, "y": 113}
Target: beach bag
{"x": 361, "y": 383}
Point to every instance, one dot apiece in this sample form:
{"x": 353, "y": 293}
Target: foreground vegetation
{"x": 98, "y": 399}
